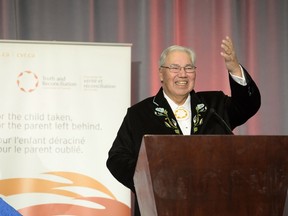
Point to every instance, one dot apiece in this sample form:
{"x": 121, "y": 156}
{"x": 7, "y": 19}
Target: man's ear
{"x": 160, "y": 72}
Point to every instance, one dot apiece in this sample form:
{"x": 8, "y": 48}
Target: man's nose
{"x": 182, "y": 71}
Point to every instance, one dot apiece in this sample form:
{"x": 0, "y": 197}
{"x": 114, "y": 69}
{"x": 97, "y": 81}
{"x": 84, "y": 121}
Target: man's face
{"x": 177, "y": 85}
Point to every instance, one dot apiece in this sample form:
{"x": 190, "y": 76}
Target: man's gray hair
{"x": 172, "y": 48}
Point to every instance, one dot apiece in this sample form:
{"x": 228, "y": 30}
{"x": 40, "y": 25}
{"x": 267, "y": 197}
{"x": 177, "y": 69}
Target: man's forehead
{"x": 178, "y": 55}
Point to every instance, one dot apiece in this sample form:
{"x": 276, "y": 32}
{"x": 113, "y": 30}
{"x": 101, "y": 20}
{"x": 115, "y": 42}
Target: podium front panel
{"x": 212, "y": 175}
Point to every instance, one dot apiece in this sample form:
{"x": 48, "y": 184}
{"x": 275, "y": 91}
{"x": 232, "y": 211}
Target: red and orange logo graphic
{"x": 109, "y": 204}
{"x": 27, "y": 81}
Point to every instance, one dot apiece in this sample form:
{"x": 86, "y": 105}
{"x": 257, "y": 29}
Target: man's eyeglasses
{"x": 174, "y": 68}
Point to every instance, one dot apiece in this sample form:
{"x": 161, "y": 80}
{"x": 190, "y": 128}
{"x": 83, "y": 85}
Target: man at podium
{"x": 178, "y": 109}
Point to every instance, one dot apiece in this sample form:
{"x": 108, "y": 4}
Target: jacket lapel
{"x": 165, "y": 113}
{"x": 199, "y": 113}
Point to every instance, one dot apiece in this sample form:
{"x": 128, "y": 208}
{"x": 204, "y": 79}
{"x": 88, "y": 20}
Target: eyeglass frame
{"x": 170, "y": 67}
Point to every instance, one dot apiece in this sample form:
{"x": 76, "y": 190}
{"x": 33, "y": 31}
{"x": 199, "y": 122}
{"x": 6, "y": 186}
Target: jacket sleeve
{"x": 121, "y": 160}
{"x": 245, "y": 100}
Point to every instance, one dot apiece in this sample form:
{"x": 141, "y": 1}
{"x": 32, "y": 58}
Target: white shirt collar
{"x": 185, "y": 124}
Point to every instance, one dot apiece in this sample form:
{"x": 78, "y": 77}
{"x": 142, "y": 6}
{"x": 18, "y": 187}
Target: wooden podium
{"x": 212, "y": 175}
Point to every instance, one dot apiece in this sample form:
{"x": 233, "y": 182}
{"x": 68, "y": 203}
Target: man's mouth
{"x": 181, "y": 83}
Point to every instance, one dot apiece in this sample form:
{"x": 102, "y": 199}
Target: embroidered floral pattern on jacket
{"x": 198, "y": 119}
{"x": 169, "y": 122}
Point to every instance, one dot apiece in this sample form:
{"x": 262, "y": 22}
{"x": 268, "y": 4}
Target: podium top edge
{"x": 66, "y": 43}
{"x": 210, "y": 135}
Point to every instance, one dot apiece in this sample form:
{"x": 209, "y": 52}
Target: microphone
{"x": 213, "y": 113}
{"x": 221, "y": 120}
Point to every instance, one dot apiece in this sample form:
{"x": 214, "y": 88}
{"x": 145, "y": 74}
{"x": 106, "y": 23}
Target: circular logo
{"x": 27, "y": 81}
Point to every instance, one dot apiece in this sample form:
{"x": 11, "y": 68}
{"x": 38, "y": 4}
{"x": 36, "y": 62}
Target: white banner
{"x": 61, "y": 106}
